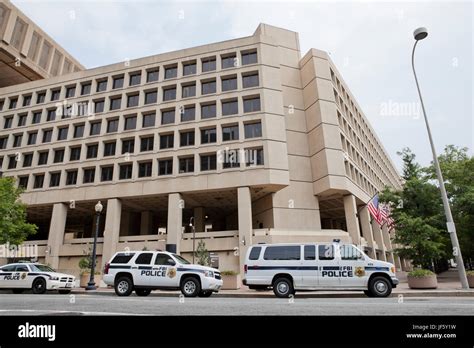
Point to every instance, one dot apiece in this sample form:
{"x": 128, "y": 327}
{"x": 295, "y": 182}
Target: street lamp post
{"x": 191, "y": 224}
{"x": 98, "y": 210}
{"x": 420, "y": 34}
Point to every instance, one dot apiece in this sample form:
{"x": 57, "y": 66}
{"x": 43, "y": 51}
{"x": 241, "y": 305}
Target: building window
{"x": 165, "y": 167}
{"x": 62, "y": 133}
{"x": 43, "y": 158}
{"x": 27, "y": 160}
{"x": 32, "y": 138}
{"x": 148, "y": 120}
{"x": 112, "y": 125}
{"x": 95, "y": 128}
{"x": 55, "y": 94}
{"x": 89, "y": 176}
{"x": 250, "y": 80}
{"x": 19, "y": 32}
{"x": 2, "y": 103}
{"x": 70, "y": 92}
{"x": 230, "y": 159}
{"x": 253, "y": 130}
{"x": 189, "y": 90}
{"x": 107, "y": 173}
{"x": 208, "y": 64}
{"x": 40, "y": 97}
{"x": 254, "y": 157}
{"x": 22, "y": 120}
{"x": 169, "y": 93}
{"x": 45, "y": 55}
{"x": 135, "y": 79}
{"x": 249, "y": 58}
{"x": 23, "y": 182}
{"x": 17, "y": 140}
{"x": 151, "y": 97}
{"x": 26, "y": 100}
{"x": 146, "y": 144}
{"x": 115, "y": 103}
{"x": 58, "y": 156}
{"x": 208, "y": 162}
{"x": 144, "y": 169}
{"x": 229, "y": 61}
{"x": 188, "y": 113}
{"x": 78, "y": 130}
{"x": 99, "y": 106}
{"x": 132, "y": 100}
{"x": 3, "y": 142}
{"x": 75, "y": 153}
{"x": 189, "y": 68}
{"x": 128, "y": 146}
{"x": 71, "y": 177}
{"x": 92, "y": 151}
{"x": 130, "y": 122}
{"x": 50, "y": 115}
{"x": 101, "y": 86}
{"x": 252, "y": 104}
{"x": 167, "y": 116}
{"x": 186, "y": 138}
{"x": 47, "y": 135}
{"x": 229, "y": 83}
{"x": 166, "y": 141}
{"x": 13, "y": 103}
{"x": 186, "y": 165}
{"x": 12, "y": 161}
{"x": 36, "y": 118}
{"x": 208, "y": 136}
{"x": 39, "y": 181}
{"x": 208, "y": 110}
{"x": 230, "y": 133}
{"x": 8, "y": 122}
{"x": 208, "y": 87}
{"x": 152, "y": 75}
{"x": 54, "y": 179}
{"x": 109, "y": 148}
{"x": 125, "y": 171}
{"x": 86, "y": 88}
{"x": 117, "y": 82}
{"x": 171, "y": 72}
{"x": 230, "y": 107}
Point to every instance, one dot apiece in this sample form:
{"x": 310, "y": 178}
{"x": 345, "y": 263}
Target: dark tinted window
{"x": 255, "y": 253}
{"x": 122, "y": 258}
{"x": 309, "y": 252}
{"x": 326, "y": 252}
{"x": 282, "y": 253}
{"x": 164, "y": 259}
{"x": 144, "y": 259}
{"x": 22, "y": 268}
{"x": 348, "y": 252}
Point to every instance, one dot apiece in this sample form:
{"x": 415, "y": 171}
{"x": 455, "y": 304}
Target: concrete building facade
{"x": 244, "y": 141}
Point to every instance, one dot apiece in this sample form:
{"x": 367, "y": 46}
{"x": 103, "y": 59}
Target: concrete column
{"x": 244, "y": 201}
{"x": 146, "y": 222}
{"x": 56, "y": 234}
{"x": 112, "y": 229}
{"x": 367, "y": 230}
{"x": 350, "y": 210}
{"x": 388, "y": 243}
{"x": 175, "y": 222}
{"x": 379, "y": 239}
{"x": 199, "y": 219}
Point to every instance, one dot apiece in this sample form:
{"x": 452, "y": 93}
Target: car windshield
{"x": 182, "y": 260}
{"x": 42, "y": 268}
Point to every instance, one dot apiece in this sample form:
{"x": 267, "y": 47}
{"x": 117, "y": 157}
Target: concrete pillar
{"x": 112, "y": 229}
{"x": 350, "y": 210}
{"x": 367, "y": 230}
{"x": 56, "y": 234}
{"x": 244, "y": 201}
{"x": 199, "y": 219}
{"x": 146, "y": 222}
{"x": 175, "y": 222}
{"x": 379, "y": 239}
{"x": 388, "y": 243}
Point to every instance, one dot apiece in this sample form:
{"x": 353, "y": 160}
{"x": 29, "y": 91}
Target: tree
{"x": 13, "y": 226}
{"x": 202, "y": 254}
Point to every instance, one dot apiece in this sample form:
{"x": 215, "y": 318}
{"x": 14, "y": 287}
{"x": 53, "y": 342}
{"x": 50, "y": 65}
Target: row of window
{"x": 208, "y": 162}
{"x": 311, "y": 253}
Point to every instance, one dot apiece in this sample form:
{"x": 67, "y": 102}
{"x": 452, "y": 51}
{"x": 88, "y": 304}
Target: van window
{"x": 144, "y": 259}
{"x": 309, "y": 252}
{"x": 122, "y": 258}
{"x": 255, "y": 253}
{"x": 282, "y": 253}
{"x": 348, "y": 252}
{"x": 326, "y": 252}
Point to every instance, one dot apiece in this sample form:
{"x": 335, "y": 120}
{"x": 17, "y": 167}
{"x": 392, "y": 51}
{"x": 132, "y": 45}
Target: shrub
{"x": 229, "y": 273}
{"x": 420, "y": 273}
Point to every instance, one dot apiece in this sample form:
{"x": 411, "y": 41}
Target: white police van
{"x": 144, "y": 271}
{"x": 330, "y": 266}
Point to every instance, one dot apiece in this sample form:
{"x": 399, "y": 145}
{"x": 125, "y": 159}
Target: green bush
{"x": 420, "y": 273}
{"x": 229, "y": 273}
{"x": 470, "y": 273}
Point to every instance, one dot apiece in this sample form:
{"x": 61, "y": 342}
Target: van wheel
{"x": 18, "y": 291}
{"x": 190, "y": 287}
{"x": 205, "y": 293}
{"x": 380, "y": 287}
{"x": 39, "y": 286}
{"x": 123, "y": 286}
{"x": 283, "y": 287}
{"x": 142, "y": 292}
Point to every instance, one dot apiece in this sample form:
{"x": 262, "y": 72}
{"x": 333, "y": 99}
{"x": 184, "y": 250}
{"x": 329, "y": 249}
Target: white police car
{"x": 144, "y": 271}
{"x": 24, "y": 276}
{"x": 331, "y": 266}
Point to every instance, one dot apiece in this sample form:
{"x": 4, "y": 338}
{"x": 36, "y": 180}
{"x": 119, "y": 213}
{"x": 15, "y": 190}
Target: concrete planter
{"x": 470, "y": 280}
{"x": 85, "y": 279}
{"x": 231, "y": 282}
{"x": 426, "y": 282}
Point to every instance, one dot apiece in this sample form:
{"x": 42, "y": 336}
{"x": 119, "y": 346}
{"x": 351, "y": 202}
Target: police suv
{"x": 144, "y": 271}
{"x": 22, "y": 276}
{"x": 332, "y": 266}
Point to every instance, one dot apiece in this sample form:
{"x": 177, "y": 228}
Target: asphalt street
{"x": 93, "y": 304}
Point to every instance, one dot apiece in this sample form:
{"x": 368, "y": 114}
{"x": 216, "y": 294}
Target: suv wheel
{"x": 283, "y": 287}
{"x": 39, "y": 286}
{"x": 190, "y": 287}
{"x": 142, "y": 292}
{"x": 123, "y": 286}
{"x": 380, "y": 287}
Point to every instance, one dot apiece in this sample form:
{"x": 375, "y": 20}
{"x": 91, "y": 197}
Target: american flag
{"x": 385, "y": 215}
{"x": 373, "y": 208}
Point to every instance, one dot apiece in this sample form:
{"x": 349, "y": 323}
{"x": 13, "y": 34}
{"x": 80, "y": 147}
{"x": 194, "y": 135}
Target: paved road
{"x": 55, "y": 304}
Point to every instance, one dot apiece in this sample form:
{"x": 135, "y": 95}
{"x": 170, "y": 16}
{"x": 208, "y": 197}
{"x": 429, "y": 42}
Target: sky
{"x": 370, "y": 43}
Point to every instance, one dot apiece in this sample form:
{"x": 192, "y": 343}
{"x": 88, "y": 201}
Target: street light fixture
{"x": 420, "y": 34}
{"x": 191, "y": 224}
{"x": 98, "y": 210}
